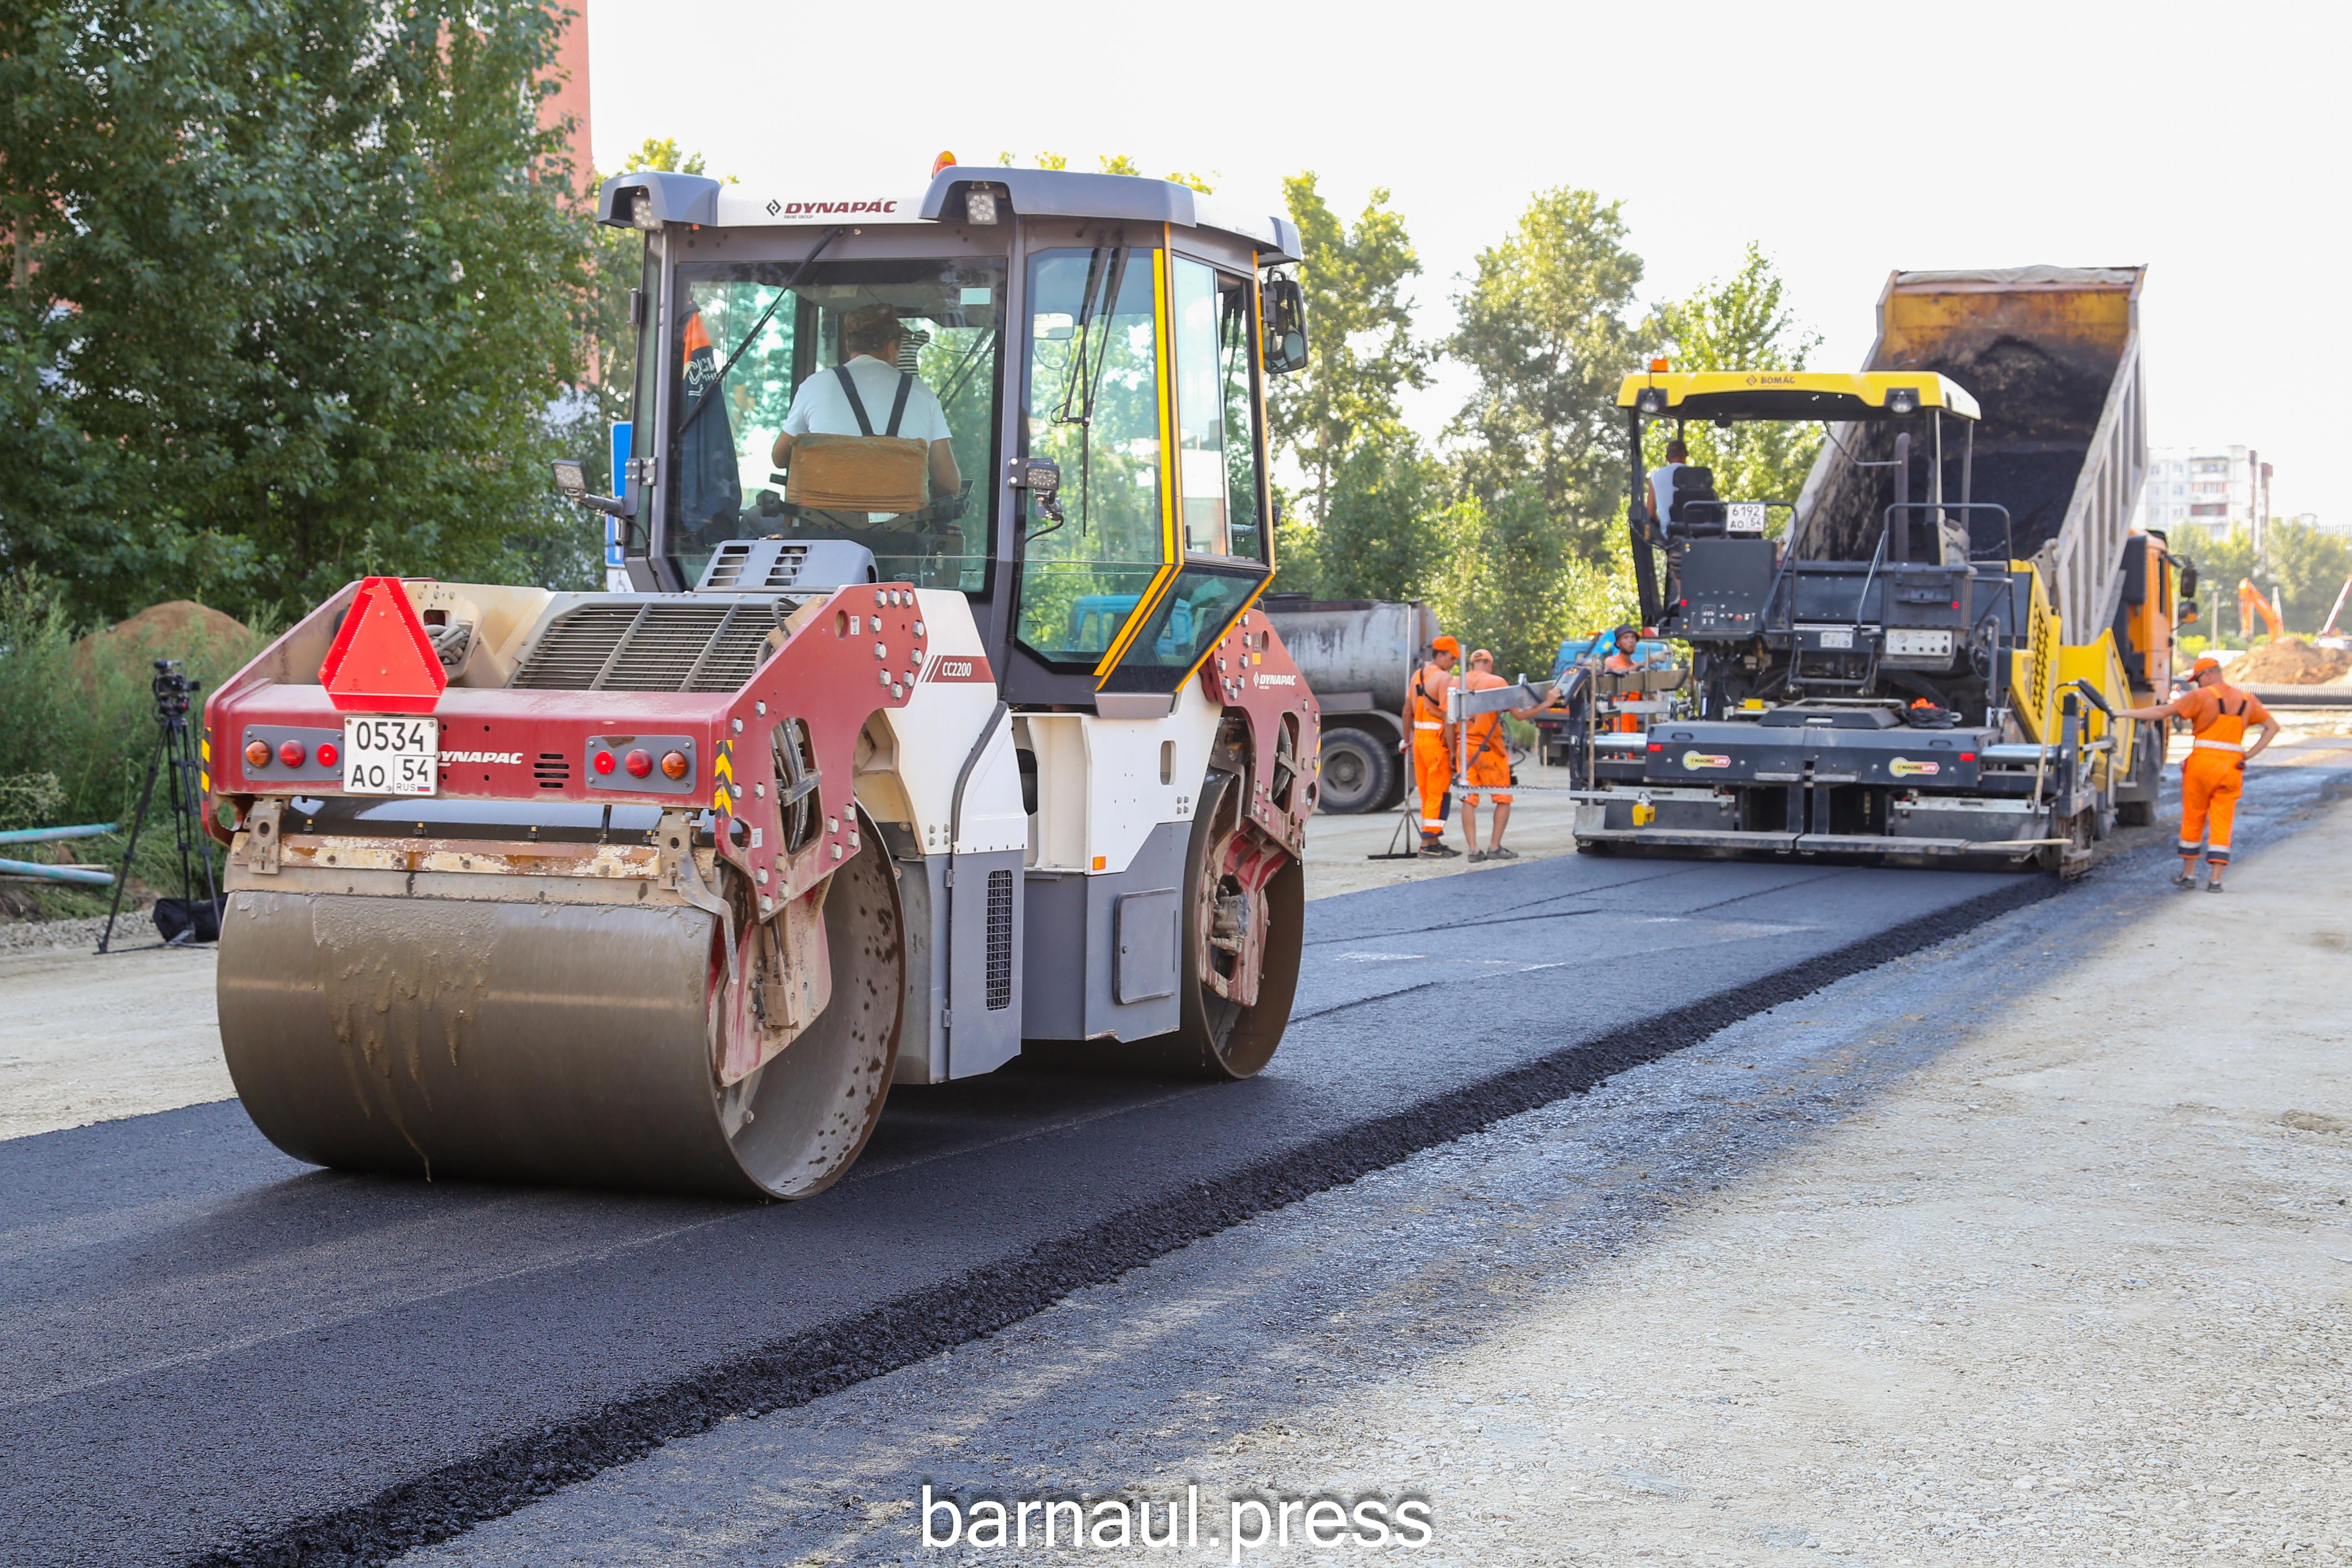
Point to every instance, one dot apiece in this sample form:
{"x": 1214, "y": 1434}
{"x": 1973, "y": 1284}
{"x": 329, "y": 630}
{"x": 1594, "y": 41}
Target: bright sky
{"x": 1849, "y": 140}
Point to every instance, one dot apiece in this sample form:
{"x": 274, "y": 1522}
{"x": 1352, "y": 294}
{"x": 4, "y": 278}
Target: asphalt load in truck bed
{"x": 212, "y": 1353}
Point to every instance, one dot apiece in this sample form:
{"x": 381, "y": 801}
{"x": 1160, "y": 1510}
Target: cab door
{"x": 1216, "y": 496}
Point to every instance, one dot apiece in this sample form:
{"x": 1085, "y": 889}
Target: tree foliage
{"x": 2309, "y": 567}
{"x": 1360, "y": 350}
{"x": 1543, "y": 329}
{"x": 288, "y": 297}
{"x": 1741, "y": 323}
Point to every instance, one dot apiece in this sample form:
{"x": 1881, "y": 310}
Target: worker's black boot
{"x": 1438, "y": 849}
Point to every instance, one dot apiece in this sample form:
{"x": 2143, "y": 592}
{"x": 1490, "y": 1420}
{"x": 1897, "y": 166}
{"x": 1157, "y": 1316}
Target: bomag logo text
{"x": 1904, "y": 767}
{"x": 481, "y": 756}
{"x": 1705, "y": 759}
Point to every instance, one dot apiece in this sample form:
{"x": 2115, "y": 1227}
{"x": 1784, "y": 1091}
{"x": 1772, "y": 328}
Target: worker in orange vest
{"x": 1428, "y": 743}
{"x": 2213, "y": 773}
{"x": 1487, "y": 767}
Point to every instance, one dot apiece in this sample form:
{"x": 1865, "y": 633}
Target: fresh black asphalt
{"x": 210, "y": 1353}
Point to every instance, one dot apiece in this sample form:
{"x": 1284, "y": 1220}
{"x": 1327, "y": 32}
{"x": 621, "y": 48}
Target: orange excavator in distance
{"x": 2252, "y": 602}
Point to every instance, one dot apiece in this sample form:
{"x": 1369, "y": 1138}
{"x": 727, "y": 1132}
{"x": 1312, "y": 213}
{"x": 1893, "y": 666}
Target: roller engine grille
{"x": 1000, "y": 941}
{"x": 649, "y": 648}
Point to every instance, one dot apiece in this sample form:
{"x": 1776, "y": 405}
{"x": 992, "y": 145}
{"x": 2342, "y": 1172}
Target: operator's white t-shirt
{"x": 1662, "y": 483}
{"x": 820, "y": 408}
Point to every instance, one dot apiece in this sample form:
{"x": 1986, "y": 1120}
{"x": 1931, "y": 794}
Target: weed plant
{"x": 78, "y": 717}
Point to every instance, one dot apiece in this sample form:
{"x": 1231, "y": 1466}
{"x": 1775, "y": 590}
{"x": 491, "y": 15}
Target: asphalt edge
{"x": 805, "y": 1367}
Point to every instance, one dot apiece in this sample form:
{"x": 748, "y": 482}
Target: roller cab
{"x": 928, "y": 717}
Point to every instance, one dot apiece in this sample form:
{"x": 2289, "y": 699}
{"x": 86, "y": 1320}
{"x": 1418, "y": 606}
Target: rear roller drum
{"x": 559, "y": 1043}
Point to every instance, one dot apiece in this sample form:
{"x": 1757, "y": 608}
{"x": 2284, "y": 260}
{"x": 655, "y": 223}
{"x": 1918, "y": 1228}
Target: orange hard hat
{"x": 1447, "y": 645}
{"x": 2205, "y": 661}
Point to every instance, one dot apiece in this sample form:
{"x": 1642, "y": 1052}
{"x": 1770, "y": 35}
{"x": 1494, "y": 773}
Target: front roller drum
{"x": 564, "y": 1043}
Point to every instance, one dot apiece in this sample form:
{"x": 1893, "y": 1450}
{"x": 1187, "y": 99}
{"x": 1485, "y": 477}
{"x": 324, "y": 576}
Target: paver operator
{"x": 2213, "y": 773}
{"x": 1430, "y": 746}
{"x": 1488, "y": 766}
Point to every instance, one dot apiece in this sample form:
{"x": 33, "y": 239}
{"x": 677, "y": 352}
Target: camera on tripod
{"x": 187, "y": 918}
{"x": 173, "y": 688}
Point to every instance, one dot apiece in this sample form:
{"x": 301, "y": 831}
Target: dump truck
{"x": 1358, "y": 654}
{"x": 1914, "y": 658}
{"x": 914, "y": 745}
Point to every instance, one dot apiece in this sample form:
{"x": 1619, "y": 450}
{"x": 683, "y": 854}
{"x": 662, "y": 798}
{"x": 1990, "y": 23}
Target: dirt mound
{"x": 173, "y": 629}
{"x": 2293, "y": 662}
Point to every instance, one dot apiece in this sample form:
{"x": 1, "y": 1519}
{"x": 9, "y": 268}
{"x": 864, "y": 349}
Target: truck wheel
{"x": 1357, "y": 771}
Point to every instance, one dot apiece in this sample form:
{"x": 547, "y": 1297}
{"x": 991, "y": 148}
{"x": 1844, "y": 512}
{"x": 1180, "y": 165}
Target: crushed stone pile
{"x": 2293, "y": 662}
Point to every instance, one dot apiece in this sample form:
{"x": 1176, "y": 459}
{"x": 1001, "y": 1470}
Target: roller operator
{"x": 868, "y": 394}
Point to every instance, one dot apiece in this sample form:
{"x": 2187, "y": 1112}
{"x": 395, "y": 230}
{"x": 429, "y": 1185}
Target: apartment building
{"x": 2209, "y": 488}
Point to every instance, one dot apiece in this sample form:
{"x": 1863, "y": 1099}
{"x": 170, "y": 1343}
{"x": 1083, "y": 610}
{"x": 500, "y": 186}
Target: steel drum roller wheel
{"x": 1218, "y": 1038}
{"x": 566, "y": 1043}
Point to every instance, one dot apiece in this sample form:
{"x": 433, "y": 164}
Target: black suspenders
{"x": 857, "y": 404}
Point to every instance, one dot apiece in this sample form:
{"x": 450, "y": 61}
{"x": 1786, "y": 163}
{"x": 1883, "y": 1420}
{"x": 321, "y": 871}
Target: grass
{"x": 78, "y": 720}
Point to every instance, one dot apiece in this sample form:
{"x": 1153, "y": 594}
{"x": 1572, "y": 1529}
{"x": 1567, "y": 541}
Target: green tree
{"x": 1542, "y": 327}
{"x": 1741, "y": 323}
{"x": 2309, "y": 567}
{"x": 1114, "y": 163}
{"x": 1500, "y": 582}
{"x": 610, "y": 360}
{"x": 2222, "y": 563}
{"x": 288, "y": 297}
{"x": 1360, "y": 350}
{"x": 1381, "y": 534}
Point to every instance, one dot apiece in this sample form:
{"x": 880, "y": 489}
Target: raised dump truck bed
{"x": 2052, "y": 356}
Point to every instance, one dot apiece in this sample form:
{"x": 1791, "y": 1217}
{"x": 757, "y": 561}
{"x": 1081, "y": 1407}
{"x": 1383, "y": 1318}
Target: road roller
{"x": 926, "y": 720}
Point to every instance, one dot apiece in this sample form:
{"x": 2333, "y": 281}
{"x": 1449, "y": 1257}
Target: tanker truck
{"x": 1358, "y": 656}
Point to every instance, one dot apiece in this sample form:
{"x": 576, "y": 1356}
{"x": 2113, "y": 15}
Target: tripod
{"x": 175, "y": 746}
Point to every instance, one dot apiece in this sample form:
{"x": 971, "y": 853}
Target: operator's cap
{"x": 1626, "y": 631}
{"x": 868, "y": 322}
{"x": 2205, "y": 661}
{"x": 1447, "y": 645}
{"x": 1477, "y": 654}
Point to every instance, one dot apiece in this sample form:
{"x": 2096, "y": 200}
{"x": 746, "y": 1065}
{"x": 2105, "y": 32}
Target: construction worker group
{"x": 1480, "y": 745}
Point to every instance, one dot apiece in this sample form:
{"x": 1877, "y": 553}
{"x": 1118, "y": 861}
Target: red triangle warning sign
{"x": 382, "y": 660}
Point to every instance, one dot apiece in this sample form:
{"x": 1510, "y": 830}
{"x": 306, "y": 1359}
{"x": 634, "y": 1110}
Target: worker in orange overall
{"x": 2213, "y": 773}
{"x": 1623, "y": 645}
{"x": 1428, "y": 743}
{"x": 1488, "y": 765}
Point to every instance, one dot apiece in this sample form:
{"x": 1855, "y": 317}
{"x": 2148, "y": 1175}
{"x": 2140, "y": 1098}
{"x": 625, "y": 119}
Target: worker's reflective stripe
{"x": 1419, "y": 724}
{"x": 2221, "y": 745}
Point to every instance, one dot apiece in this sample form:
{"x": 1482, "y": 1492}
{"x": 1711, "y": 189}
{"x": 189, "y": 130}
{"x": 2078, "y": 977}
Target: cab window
{"x": 1092, "y": 405}
{"x": 765, "y": 439}
{"x": 1215, "y": 412}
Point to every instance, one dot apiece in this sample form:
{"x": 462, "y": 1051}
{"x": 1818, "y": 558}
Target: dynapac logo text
{"x": 1268, "y": 678}
{"x": 481, "y": 756}
{"x": 811, "y": 209}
